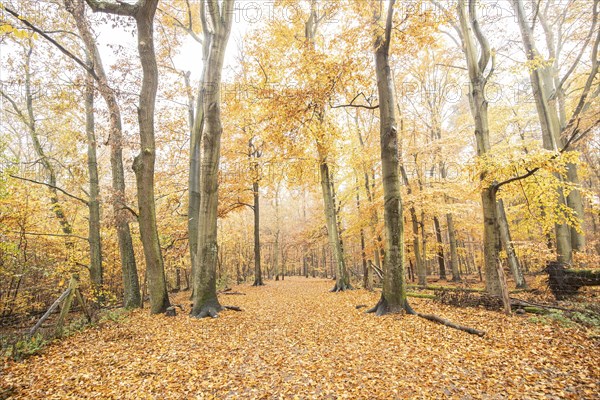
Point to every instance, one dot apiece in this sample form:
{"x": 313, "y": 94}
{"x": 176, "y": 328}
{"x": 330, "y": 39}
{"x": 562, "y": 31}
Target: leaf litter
{"x": 294, "y": 339}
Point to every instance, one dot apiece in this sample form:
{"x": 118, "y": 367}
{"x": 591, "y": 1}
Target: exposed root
{"x": 234, "y": 308}
{"x": 383, "y": 307}
{"x": 209, "y": 309}
{"x": 340, "y": 287}
{"x": 258, "y": 283}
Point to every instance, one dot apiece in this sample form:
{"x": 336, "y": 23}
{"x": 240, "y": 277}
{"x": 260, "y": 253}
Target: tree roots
{"x": 383, "y": 307}
{"x": 340, "y": 287}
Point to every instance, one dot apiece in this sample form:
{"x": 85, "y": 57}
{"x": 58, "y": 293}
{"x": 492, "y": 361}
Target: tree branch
{"x": 66, "y": 52}
{"x": 52, "y": 187}
{"x": 49, "y": 234}
{"x": 119, "y": 8}
{"x": 351, "y": 104}
{"x": 575, "y": 137}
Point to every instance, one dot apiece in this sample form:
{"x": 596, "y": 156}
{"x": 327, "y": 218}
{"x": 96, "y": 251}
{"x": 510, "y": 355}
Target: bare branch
{"x": 52, "y": 187}
{"x": 48, "y": 234}
{"x": 43, "y": 34}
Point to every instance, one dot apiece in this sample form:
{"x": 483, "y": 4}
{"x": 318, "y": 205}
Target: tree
{"x": 474, "y": 42}
{"x": 216, "y": 25}
{"x": 549, "y": 94}
{"x": 393, "y": 297}
{"x": 143, "y": 165}
{"x": 131, "y": 286}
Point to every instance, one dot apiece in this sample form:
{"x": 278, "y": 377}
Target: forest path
{"x": 296, "y": 339}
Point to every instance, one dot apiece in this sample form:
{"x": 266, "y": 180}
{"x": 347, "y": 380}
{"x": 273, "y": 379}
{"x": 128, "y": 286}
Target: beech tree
{"x": 143, "y": 13}
{"x": 131, "y": 287}
{"x": 216, "y": 20}
{"x": 393, "y": 297}
{"x": 549, "y": 93}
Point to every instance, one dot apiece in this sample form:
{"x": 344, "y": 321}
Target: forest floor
{"x": 296, "y": 340}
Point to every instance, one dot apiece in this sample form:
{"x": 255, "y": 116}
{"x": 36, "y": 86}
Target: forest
{"x": 299, "y": 199}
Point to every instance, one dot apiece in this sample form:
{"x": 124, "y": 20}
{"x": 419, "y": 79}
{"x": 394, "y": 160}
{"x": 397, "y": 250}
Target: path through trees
{"x": 295, "y": 338}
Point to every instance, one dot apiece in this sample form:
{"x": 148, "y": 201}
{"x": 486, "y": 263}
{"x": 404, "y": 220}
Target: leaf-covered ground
{"x": 296, "y": 340}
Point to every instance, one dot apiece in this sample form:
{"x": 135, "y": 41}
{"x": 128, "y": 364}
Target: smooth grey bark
{"x": 258, "y": 279}
{"x": 454, "y": 263}
{"x": 94, "y": 183}
{"x": 342, "y": 279}
{"x": 393, "y": 297}
{"x": 367, "y": 282}
{"x": 216, "y": 24}
{"x": 276, "y": 249}
{"x": 131, "y": 287}
{"x": 440, "y": 248}
{"x": 195, "y": 160}
{"x": 478, "y": 58}
{"x": 513, "y": 261}
{"x": 143, "y": 164}
{"x": 420, "y": 266}
{"x": 143, "y": 12}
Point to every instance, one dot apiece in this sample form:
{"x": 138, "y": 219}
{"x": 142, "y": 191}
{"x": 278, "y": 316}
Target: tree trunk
{"x": 143, "y": 164}
{"x": 506, "y": 240}
{"x": 195, "y": 163}
{"x": 342, "y": 279}
{"x": 440, "y": 245}
{"x": 454, "y": 263}
{"x": 551, "y": 134}
{"x": 216, "y": 33}
{"x": 277, "y": 233}
{"x": 94, "y": 199}
{"x": 367, "y": 282}
{"x": 258, "y": 281}
{"x": 471, "y": 32}
{"x": 420, "y": 266}
{"x": 393, "y": 297}
{"x": 131, "y": 285}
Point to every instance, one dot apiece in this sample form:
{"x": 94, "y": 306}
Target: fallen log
{"x": 565, "y": 282}
{"x": 445, "y": 322}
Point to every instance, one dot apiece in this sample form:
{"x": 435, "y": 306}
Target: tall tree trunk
{"x": 143, "y": 164}
{"x": 454, "y": 263}
{"x": 94, "y": 198}
{"x": 277, "y": 233}
{"x": 393, "y": 297}
{"x": 542, "y": 82}
{"x": 216, "y": 22}
{"x": 440, "y": 248}
{"x": 342, "y": 279}
{"x": 258, "y": 280}
{"x": 513, "y": 261}
{"x": 367, "y": 282}
{"x": 471, "y": 32}
{"x": 195, "y": 162}
{"x": 420, "y": 266}
{"x": 131, "y": 287}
